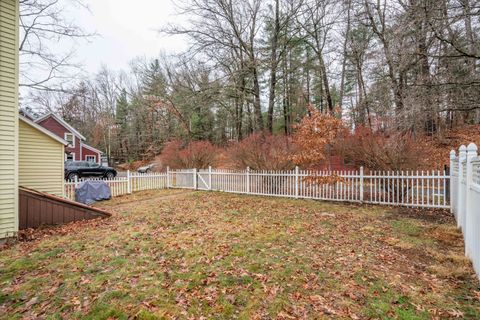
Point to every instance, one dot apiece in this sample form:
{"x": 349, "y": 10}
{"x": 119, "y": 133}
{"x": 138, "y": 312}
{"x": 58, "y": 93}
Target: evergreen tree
{"x": 122, "y": 109}
{"x": 153, "y": 79}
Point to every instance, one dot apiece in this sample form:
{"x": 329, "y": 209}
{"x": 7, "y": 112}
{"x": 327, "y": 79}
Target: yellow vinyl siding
{"x": 8, "y": 117}
{"x": 41, "y": 160}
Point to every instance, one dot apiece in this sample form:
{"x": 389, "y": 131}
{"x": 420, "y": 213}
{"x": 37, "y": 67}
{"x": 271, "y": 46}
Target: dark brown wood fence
{"x": 37, "y": 209}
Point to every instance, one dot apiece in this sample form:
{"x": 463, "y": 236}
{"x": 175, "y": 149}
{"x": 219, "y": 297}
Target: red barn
{"x": 77, "y": 149}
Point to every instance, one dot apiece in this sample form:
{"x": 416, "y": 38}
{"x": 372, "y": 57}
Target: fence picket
{"x": 404, "y": 188}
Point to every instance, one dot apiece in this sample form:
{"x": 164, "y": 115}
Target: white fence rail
{"x": 465, "y": 186}
{"x": 124, "y": 185}
{"x": 403, "y": 188}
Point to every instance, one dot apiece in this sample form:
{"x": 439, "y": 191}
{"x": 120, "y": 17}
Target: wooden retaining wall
{"x": 38, "y": 208}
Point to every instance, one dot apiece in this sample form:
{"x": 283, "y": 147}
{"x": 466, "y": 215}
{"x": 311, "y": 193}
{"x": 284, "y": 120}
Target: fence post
{"x": 451, "y": 188}
{"x": 129, "y": 183}
{"x": 168, "y": 177}
{"x": 361, "y": 184}
{"x": 296, "y": 182}
{"x": 75, "y": 185}
{"x": 462, "y": 154}
{"x": 248, "y": 180}
{"x": 469, "y": 208}
{"x": 195, "y": 178}
{"x": 210, "y": 178}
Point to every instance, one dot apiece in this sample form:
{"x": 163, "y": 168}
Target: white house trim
{"x": 71, "y": 153}
{"x": 42, "y": 129}
{"x": 92, "y": 149}
{"x": 73, "y": 139}
{"x": 90, "y": 156}
{"x": 62, "y": 122}
{"x": 24, "y": 112}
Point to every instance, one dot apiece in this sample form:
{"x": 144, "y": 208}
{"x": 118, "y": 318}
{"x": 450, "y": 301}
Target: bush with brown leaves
{"x": 196, "y": 154}
{"x": 313, "y": 137}
{"x": 261, "y": 151}
{"x": 383, "y": 151}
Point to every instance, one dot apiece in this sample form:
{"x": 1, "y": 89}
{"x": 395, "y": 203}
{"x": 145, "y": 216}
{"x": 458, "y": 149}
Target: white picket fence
{"x": 425, "y": 189}
{"x": 465, "y": 199}
{"x": 124, "y": 185}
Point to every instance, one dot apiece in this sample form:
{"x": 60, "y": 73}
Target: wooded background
{"x": 254, "y": 66}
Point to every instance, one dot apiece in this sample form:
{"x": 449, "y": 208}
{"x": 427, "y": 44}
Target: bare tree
{"x": 377, "y": 15}
{"x": 399, "y": 66}
{"x": 317, "y": 19}
{"x": 43, "y": 23}
{"x": 281, "y": 30}
{"x": 224, "y": 29}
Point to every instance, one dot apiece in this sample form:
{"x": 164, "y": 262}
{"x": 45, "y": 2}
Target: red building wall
{"x": 87, "y": 152}
{"x": 336, "y": 163}
{"x": 57, "y": 128}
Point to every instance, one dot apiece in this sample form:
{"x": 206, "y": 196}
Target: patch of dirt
{"x": 418, "y": 257}
{"x": 133, "y": 165}
{"x": 439, "y": 216}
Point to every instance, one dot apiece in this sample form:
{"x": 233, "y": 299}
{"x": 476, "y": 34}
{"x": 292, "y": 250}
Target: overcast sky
{"x": 126, "y": 29}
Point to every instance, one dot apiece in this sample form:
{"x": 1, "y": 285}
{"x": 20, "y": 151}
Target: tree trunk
{"x": 344, "y": 62}
{"x": 257, "y": 107}
{"x": 467, "y": 13}
{"x": 396, "y": 84}
{"x": 273, "y": 68}
{"x": 240, "y": 100}
{"x": 326, "y": 86}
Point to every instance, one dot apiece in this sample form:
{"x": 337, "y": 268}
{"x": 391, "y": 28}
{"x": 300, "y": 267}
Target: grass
{"x": 173, "y": 254}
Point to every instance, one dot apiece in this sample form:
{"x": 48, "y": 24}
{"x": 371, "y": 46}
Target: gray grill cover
{"x": 88, "y": 192}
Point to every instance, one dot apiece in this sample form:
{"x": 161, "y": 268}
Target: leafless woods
{"x": 407, "y": 66}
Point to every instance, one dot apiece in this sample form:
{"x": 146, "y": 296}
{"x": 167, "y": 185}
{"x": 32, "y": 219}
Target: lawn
{"x": 174, "y": 254}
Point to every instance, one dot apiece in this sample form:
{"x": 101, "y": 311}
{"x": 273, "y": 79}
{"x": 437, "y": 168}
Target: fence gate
{"x": 190, "y": 179}
{"x": 183, "y": 179}
{"x": 204, "y": 179}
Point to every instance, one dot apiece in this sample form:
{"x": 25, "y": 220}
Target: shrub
{"x": 261, "y": 151}
{"x": 196, "y": 154}
{"x": 314, "y": 136}
{"x": 383, "y": 151}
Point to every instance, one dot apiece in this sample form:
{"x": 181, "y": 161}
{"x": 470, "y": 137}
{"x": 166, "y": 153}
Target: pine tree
{"x": 122, "y": 109}
{"x": 153, "y": 79}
